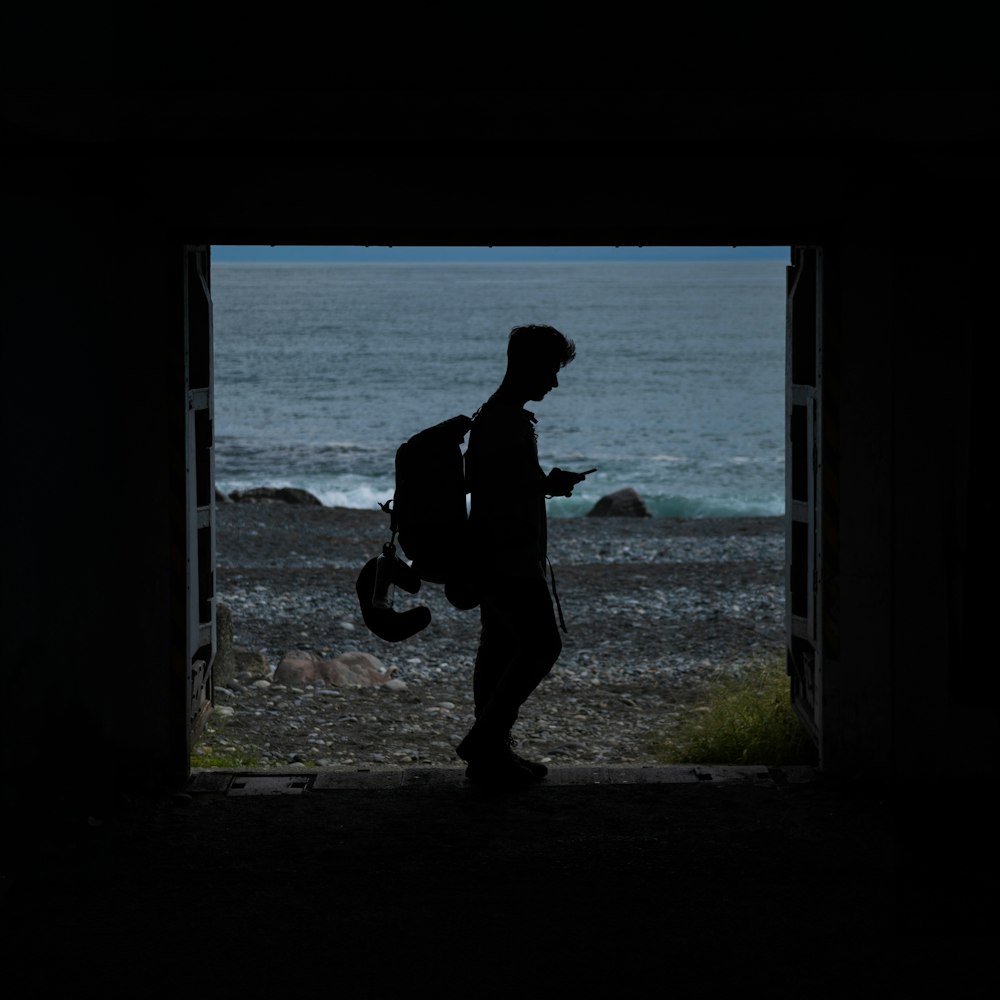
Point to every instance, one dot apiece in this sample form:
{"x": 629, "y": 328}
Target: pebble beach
{"x": 655, "y": 609}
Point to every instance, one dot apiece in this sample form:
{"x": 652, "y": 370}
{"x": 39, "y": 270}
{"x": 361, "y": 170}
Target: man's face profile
{"x": 543, "y": 379}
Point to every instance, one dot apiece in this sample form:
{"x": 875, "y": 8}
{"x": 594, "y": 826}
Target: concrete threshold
{"x": 297, "y": 781}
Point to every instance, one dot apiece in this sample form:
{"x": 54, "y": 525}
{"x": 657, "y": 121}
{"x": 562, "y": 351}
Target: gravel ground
{"x": 655, "y": 608}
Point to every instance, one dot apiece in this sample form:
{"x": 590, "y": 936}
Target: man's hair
{"x": 534, "y": 344}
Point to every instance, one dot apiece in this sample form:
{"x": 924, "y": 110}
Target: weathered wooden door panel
{"x": 200, "y": 479}
{"x": 803, "y": 493}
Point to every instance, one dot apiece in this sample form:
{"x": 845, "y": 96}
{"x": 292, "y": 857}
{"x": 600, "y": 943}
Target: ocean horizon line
{"x": 236, "y": 254}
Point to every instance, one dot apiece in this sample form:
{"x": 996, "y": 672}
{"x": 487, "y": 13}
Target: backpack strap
{"x": 555, "y": 594}
{"x": 388, "y": 508}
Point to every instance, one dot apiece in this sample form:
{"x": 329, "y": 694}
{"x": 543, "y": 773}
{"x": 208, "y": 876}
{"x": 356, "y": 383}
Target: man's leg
{"x": 495, "y": 652}
{"x": 519, "y": 645}
{"x": 523, "y": 610}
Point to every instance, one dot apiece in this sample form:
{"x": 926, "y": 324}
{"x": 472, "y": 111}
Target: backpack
{"x": 428, "y": 512}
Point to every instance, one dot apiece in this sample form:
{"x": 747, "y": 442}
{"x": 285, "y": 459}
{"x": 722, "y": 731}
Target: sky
{"x": 408, "y": 254}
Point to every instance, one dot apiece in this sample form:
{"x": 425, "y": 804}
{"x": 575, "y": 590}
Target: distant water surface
{"x": 323, "y": 369}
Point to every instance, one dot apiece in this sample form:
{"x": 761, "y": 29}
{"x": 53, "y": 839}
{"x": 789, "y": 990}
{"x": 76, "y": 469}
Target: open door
{"x": 200, "y": 480}
{"x": 803, "y": 486}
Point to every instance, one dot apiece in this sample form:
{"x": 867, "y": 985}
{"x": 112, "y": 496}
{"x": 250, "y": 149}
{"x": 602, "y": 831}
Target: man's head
{"x": 534, "y": 356}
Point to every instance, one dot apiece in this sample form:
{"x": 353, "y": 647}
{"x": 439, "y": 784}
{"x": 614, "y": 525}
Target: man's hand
{"x": 560, "y": 482}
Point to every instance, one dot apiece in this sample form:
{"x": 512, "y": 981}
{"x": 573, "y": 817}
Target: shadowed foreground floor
{"x": 593, "y": 881}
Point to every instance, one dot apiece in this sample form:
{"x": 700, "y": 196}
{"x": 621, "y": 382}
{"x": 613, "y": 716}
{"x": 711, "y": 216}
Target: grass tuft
{"x": 747, "y": 718}
{"x": 234, "y": 761}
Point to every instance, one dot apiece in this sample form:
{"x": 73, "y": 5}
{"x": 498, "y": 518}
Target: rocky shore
{"x": 655, "y": 608}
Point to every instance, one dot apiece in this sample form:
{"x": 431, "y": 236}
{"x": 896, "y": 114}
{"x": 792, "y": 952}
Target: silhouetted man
{"x": 519, "y": 641}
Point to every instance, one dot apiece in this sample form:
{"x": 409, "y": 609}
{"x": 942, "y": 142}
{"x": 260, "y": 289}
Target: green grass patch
{"x": 214, "y": 749}
{"x": 235, "y": 761}
{"x": 746, "y": 718}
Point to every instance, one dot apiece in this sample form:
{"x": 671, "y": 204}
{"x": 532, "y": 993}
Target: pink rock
{"x": 351, "y": 669}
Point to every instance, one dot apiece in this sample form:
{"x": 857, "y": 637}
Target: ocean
{"x": 677, "y": 389}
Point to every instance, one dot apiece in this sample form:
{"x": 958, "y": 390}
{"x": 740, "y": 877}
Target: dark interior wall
{"x": 92, "y": 363}
{"x": 93, "y": 623}
{"x": 856, "y": 381}
{"x": 942, "y": 676}
{"x": 150, "y": 737}
{"x": 912, "y": 692}
{"x": 55, "y": 438}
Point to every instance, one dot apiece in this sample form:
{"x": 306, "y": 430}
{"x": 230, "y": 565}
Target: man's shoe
{"x": 497, "y": 764}
{"x": 538, "y": 769}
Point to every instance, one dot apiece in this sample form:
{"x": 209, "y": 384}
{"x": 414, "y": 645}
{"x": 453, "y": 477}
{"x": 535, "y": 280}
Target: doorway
{"x": 392, "y": 436}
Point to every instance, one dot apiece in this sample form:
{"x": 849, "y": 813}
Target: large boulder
{"x": 272, "y": 494}
{"x": 351, "y": 669}
{"x": 623, "y": 503}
